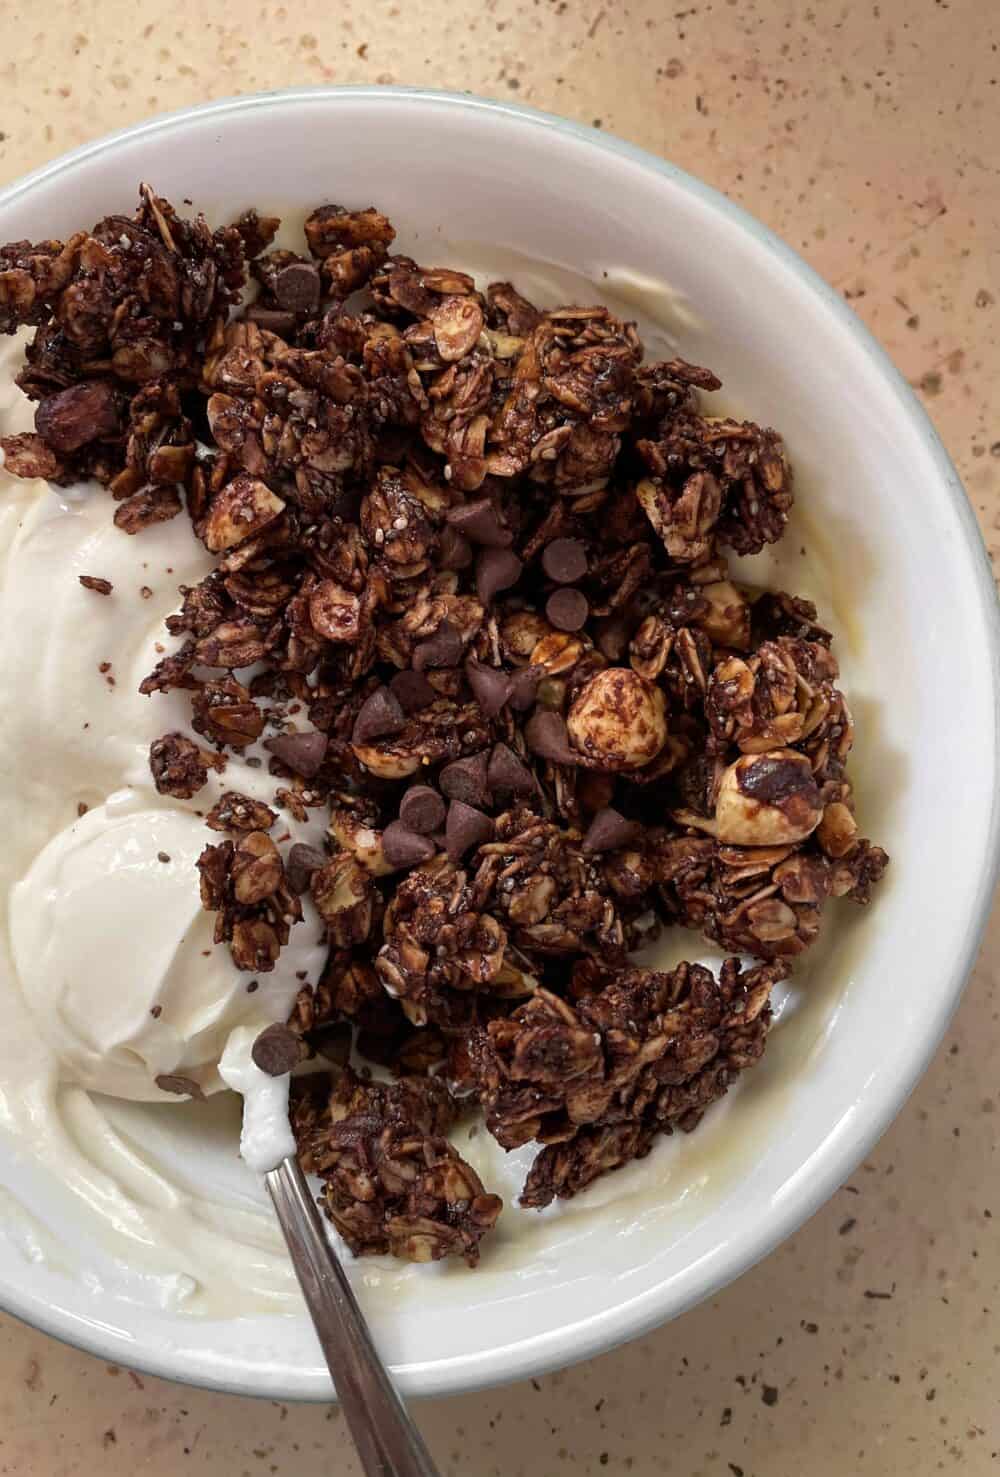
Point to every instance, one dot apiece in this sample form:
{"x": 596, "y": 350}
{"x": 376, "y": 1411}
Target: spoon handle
{"x": 388, "y": 1442}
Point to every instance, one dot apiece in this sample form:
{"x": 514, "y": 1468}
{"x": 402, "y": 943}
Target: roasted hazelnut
{"x": 767, "y": 800}
{"x": 618, "y": 719}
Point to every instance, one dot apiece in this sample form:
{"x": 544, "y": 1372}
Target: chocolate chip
{"x": 402, "y": 847}
{"x": 422, "y": 810}
{"x": 506, "y": 771}
{"x": 297, "y": 288}
{"x": 523, "y": 687}
{"x": 302, "y": 862}
{"x": 301, "y": 752}
{"x": 545, "y": 734}
{"x": 496, "y": 570}
{"x": 465, "y": 779}
{"x": 412, "y": 691}
{"x": 95, "y": 583}
{"x": 443, "y": 649}
{"x": 379, "y": 716}
{"x": 478, "y": 521}
{"x": 565, "y": 560}
{"x": 454, "y": 549}
{"x": 181, "y": 1086}
{"x": 277, "y": 1050}
{"x": 567, "y": 610}
{"x": 272, "y": 320}
{"x": 332, "y": 1041}
{"x": 466, "y": 828}
{"x": 608, "y": 831}
{"x": 490, "y": 687}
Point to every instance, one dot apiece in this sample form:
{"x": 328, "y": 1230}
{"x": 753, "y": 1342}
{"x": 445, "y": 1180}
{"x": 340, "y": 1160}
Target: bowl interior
{"x": 880, "y": 512}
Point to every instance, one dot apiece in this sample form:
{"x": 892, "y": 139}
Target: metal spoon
{"x": 388, "y": 1442}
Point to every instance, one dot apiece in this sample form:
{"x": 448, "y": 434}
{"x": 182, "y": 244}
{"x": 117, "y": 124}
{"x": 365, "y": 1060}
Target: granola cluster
{"x": 471, "y": 606}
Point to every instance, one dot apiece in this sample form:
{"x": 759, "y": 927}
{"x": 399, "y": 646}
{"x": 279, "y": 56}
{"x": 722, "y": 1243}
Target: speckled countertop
{"x": 867, "y": 136}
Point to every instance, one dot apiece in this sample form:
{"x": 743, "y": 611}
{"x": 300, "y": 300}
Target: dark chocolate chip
{"x": 506, "y": 771}
{"x": 272, "y": 320}
{"x": 297, "y": 288}
{"x": 466, "y": 828}
{"x": 567, "y": 610}
{"x": 332, "y": 1041}
{"x": 301, "y": 752}
{"x": 523, "y": 687}
{"x": 490, "y": 687}
{"x": 181, "y": 1086}
{"x": 422, "y": 810}
{"x": 496, "y": 570}
{"x": 379, "y": 716}
{"x": 412, "y": 690}
{"x": 302, "y": 862}
{"x": 454, "y": 549}
{"x": 443, "y": 649}
{"x": 277, "y": 1050}
{"x": 565, "y": 560}
{"x": 608, "y": 831}
{"x": 545, "y": 734}
{"x": 402, "y": 847}
{"x": 465, "y": 779}
{"x": 479, "y": 523}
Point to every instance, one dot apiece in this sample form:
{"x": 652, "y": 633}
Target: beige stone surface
{"x": 866, "y": 134}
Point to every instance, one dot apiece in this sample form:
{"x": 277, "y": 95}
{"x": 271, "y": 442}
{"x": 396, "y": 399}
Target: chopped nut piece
{"x": 242, "y": 508}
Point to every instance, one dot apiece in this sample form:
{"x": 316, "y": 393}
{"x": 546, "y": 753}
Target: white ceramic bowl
{"x": 882, "y": 505}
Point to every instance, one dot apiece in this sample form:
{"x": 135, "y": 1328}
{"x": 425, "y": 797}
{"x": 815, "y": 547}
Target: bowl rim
{"x": 839, "y": 1154}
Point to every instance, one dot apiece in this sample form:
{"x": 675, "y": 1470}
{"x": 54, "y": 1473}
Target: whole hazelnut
{"x": 767, "y": 800}
{"x": 618, "y": 719}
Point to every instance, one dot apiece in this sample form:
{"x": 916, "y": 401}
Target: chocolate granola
{"x": 471, "y": 600}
